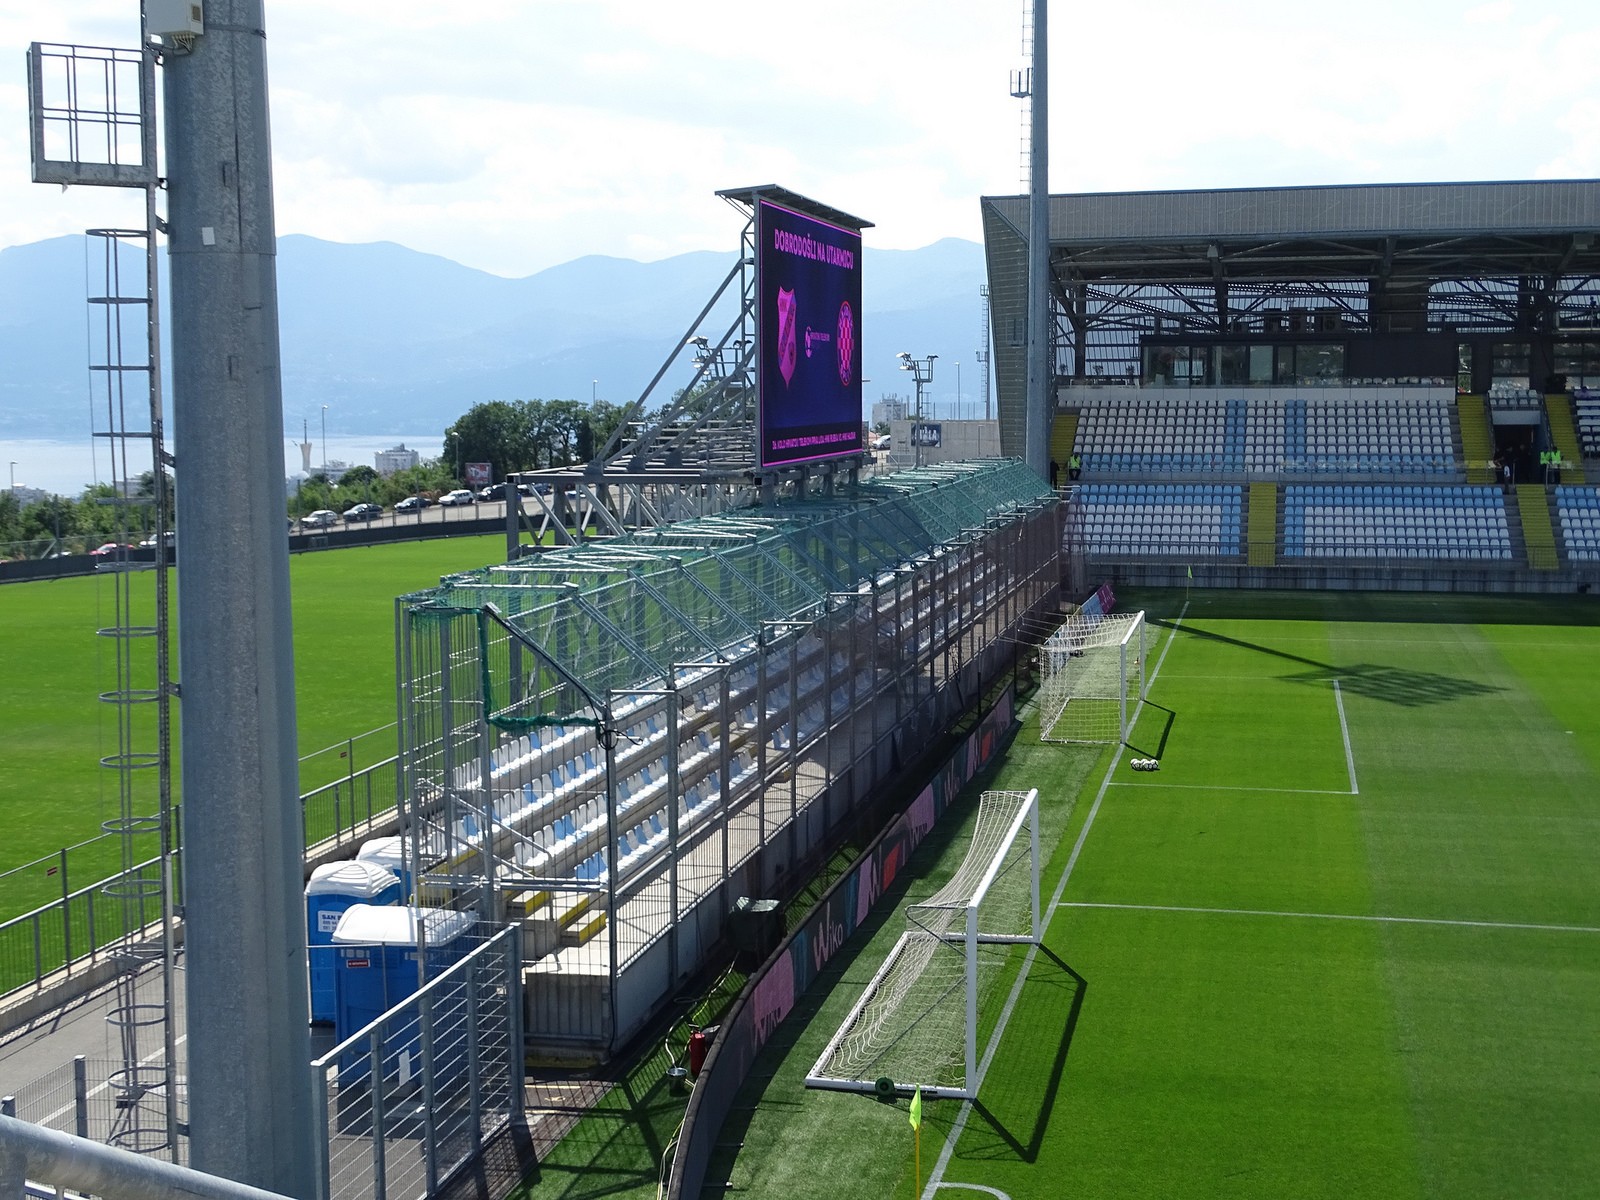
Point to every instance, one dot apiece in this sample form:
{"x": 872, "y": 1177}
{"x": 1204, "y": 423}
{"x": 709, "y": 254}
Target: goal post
{"x": 916, "y": 1023}
{"x": 1093, "y": 678}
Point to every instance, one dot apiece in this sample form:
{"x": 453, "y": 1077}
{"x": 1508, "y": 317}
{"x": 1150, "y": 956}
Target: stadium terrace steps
{"x": 1477, "y": 438}
{"x": 1564, "y": 433}
{"x": 1538, "y": 533}
{"x": 1262, "y": 527}
{"x": 1063, "y": 433}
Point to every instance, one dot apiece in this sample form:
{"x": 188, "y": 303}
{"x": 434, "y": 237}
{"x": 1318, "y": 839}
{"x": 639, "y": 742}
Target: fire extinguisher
{"x": 699, "y": 1047}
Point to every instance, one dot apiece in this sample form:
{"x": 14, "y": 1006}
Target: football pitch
{"x": 54, "y": 729}
{"x": 1346, "y": 942}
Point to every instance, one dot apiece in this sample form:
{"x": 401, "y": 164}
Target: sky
{"x": 512, "y": 135}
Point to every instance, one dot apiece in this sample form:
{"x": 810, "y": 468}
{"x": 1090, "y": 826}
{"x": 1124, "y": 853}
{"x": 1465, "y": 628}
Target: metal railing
{"x": 94, "y": 1098}
{"x": 74, "y": 929}
{"x": 67, "y": 1162}
{"x": 70, "y": 927}
{"x": 342, "y": 811}
{"x": 412, "y": 1098}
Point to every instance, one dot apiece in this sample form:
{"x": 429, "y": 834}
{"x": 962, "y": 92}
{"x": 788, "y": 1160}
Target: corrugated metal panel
{"x": 1400, "y": 209}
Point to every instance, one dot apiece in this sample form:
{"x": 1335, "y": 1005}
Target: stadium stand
{"x": 1150, "y": 518}
{"x": 1587, "y": 404}
{"x": 1123, "y": 433}
{"x": 1509, "y": 397}
{"x": 1395, "y": 521}
{"x": 1578, "y": 512}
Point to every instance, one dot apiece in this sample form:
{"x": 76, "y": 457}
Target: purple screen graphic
{"x": 808, "y": 279}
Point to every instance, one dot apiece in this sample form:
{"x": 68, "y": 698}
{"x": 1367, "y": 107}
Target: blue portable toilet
{"x": 334, "y": 887}
{"x": 376, "y": 954}
{"x": 392, "y": 853}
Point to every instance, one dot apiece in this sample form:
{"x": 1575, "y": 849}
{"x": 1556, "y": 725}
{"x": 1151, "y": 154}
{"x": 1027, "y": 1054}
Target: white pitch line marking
{"x": 1344, "y": 729}
{"x": 935, "y": 1177}
{"x": 1308, "y": 916}
{"x": 1228, "y": 787}
{"x": 975, "y": 1187}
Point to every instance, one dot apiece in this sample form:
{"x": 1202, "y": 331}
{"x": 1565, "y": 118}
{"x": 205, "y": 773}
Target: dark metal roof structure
{"x": 1512, "y": 257}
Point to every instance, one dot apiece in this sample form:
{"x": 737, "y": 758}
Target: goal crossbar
{"x": 907, "y": 987}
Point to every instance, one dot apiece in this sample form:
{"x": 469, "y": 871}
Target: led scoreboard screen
{"x": 808, "y": 283}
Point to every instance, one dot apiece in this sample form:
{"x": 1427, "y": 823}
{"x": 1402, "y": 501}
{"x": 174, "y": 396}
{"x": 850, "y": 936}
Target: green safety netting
{"x": 631, "y": 612}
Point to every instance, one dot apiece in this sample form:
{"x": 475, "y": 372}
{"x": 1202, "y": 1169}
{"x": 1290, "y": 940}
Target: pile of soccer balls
{"x": 1145, "y": 764}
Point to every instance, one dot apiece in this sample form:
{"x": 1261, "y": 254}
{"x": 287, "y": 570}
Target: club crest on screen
{"x": 846, "y": 342}
{"x": 788, "y": 353}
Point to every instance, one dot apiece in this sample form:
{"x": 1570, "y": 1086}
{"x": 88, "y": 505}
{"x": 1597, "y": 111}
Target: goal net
{"x": 1093, "y": 678}
{"x": 916, "y": 1024}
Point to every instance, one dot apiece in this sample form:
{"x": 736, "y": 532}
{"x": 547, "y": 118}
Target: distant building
{"x": 890, "y": 408}
{"x": 390, "y": 462}
{"x": 25, "y": 495}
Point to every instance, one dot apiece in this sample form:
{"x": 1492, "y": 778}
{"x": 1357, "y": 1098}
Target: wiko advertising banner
{"x": 768, "y": 999}
{"x": 808, "y": 283}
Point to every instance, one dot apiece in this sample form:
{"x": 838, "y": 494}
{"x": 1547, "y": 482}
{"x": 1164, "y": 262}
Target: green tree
{"x": 10, "y": 518}
{"x": 499, "y": 432}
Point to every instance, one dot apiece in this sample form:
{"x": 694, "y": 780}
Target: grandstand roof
{"x": 630, "y": 612}
{"x": 1539, "y": 208}
{"x": 1410, "y": 256}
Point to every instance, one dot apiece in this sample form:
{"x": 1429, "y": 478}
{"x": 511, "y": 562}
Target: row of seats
{"x": 1268, "y": 437}
{"x": 1586, "y": 409}
{"x": 1175, "y": 519}
{"x": 1395, "y": 521}
{"x": 1578, "y": 515}
{"x": 549, "y": 808}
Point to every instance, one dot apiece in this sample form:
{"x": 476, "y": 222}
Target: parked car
{"x": 111, "y": 550}
{"x": 319, "y": 518}
{"x": 459, "y": 496}
{"x": 362, "y": 512}
{"x": 411, "y": 504}
{"x": 149, "y": 543}
{"x": 495, "y": 491}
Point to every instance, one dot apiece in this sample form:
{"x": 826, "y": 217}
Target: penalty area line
{"x": 1378, "y": 919}
{"x": 936, "y": 1176}
{"x": 1344, "y": 730}
{"x": 1227, "y": 787}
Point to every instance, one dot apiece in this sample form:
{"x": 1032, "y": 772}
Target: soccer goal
{"x": 916, "y": 1025}
{"x": 1093, "y": 678}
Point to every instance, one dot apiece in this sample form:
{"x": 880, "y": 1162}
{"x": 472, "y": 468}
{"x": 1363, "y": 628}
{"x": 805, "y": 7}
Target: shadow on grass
{"x": 1012, "y": 1096}
{"x": 1389, "y": 608}
{"x": 1166, "y": 731}
{"x": 775, "y": 1084}
{"x": 1392, "y": 685}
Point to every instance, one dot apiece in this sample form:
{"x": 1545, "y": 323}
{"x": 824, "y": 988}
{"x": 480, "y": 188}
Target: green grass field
{"x": 53, "y": 729}
{"x": 1260, "y": 980}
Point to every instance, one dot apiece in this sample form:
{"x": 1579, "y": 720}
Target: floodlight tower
{"x": 250, "y": 1094}
{"x": 921, "y": 374}
{"x": 1041, "y": 367}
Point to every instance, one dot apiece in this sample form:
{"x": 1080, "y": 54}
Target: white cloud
{"x": 513, "y": 135}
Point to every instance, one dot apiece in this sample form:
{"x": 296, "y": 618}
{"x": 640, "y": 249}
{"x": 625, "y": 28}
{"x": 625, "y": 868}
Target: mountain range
{"x": 391, "y": 339}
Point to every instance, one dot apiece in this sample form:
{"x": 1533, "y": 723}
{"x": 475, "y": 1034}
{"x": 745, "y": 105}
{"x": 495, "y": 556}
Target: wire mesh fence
{"x": 411, "y": 1098}
{"x": 79, "y": 926}
{"x": 104, "y": 1100}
